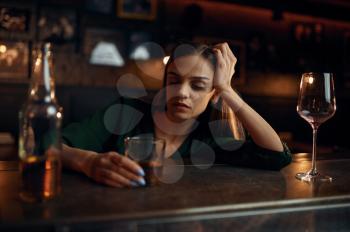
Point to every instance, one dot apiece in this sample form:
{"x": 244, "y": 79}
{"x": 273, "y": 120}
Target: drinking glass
{"x": 316, "y": 104}
{"x": 148, "y": 152}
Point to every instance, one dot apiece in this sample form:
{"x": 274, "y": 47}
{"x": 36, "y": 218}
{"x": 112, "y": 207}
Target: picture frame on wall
{"x": 137, "y": 9}
{"x": 57, "y": 25}
{"x": 239, "y": 50}
{"x": 14, "y": 61}
{"x": 17, "y": 22}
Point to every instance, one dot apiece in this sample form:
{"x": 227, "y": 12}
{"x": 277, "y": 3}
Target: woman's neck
{"x": 173, "y": 129}
{"x": 174, "y": 133}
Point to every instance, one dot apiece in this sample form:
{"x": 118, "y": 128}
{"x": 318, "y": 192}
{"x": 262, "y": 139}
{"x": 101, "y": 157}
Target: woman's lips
{"x": 181, "y": 105}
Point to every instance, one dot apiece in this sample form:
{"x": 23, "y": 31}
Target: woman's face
{"x": 189, "y": 87}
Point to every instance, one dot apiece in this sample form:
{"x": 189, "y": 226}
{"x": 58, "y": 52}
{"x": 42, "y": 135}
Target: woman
{"x": 197, "y": 92}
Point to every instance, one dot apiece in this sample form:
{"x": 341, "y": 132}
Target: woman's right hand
{"x": 115, "y": 170}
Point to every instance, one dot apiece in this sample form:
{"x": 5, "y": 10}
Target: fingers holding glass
{"x": 128, "y": 164}
{"x": 112, "y": 170}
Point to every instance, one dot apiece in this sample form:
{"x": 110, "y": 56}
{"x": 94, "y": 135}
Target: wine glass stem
{"x": 313, "y": 170}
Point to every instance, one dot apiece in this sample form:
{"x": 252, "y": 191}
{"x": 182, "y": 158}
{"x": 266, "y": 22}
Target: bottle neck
{"x": 42, "y": 85}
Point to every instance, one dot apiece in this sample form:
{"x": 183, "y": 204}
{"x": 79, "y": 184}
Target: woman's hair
{"x": 219, "y": 111}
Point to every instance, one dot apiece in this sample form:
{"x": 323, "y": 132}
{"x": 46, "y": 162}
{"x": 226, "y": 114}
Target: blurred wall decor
{"x": 14, "y": 61}
{"x": 57, "y": 25}
{"x": 16, "y": 21}
{"x": 137, "y": 9}
{"x": 113, "y": 39}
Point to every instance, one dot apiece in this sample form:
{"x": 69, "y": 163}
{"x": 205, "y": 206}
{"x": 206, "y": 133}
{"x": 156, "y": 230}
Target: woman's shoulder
{"x": 133, "y": 101}
{"x": 140, "y": 104}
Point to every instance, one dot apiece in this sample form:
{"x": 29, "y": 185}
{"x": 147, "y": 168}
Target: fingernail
{"x": 142, "y": 182}
{"x": 141, "y": 172}
{"x": 134, "y": 184}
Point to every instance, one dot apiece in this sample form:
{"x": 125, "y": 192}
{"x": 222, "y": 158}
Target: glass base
{"x": 313, "y": 178}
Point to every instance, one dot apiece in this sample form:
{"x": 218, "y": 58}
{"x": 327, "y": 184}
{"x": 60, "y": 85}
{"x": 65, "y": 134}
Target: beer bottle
{"x": 39, "y": 132}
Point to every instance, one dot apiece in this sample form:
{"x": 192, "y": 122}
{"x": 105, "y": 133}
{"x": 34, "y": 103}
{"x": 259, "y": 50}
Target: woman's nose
{"x": 183, "y": 91}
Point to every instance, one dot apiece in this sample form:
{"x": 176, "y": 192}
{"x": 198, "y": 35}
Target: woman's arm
{"x": 261, "y": 132}
{"x": 83, "y": 150}
{"x": 108, "y": 168}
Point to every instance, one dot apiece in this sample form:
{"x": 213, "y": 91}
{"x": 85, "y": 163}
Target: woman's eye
{"x": 198, "y": 86}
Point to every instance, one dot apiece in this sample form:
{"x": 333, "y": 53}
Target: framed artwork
{"x": 57, "y": 25}
{"x": 239, "y": 50}
{"x": 137, "y": 9}
{"x": 14, "y": 60}
{"x": 16, "y": 22}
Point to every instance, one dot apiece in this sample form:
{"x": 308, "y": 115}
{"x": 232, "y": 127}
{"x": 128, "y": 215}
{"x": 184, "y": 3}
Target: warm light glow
{"x": 3, "y": 48}
{"x": 37, "y": 63}
{"x": 48, "y": 191}
{"x": 48, "y": 165}
{"x": 31, "y": 159}
{"x": 51, "y": 110}
{"x": 140, "y": 53}
{"x": 310, "y": 80}
{"x": 106, "y": 53}
{"x": 166, "y": 59}
{"x": 32, "y": 92}
{"x": 59, "y": 115}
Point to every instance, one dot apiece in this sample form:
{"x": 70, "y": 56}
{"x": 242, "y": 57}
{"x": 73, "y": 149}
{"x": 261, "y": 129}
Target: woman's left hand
{"x": 225, "y": 67}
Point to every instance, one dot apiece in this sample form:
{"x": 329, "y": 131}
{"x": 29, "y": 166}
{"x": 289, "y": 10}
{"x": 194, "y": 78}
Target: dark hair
{"x": 220, "y": 111}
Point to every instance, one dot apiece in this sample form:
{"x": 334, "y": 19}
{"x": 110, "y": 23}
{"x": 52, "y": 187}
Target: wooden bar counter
{"x": 220, "y": 198}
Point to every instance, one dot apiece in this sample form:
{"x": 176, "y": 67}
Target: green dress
{"x": 107, "y": 128}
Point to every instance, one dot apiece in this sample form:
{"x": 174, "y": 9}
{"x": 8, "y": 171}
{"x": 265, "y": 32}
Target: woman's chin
{"x": 179, "y": 117}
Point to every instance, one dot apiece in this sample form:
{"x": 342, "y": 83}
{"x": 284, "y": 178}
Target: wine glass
{"x": 316, "y": 104}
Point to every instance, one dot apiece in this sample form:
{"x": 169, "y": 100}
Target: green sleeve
{"x": 93, "y": 133}
{"x": 89, "y": 134}
{"x": 251, "y": 155}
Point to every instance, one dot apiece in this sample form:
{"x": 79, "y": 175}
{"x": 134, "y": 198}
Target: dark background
{"x": 276, "y": 42}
